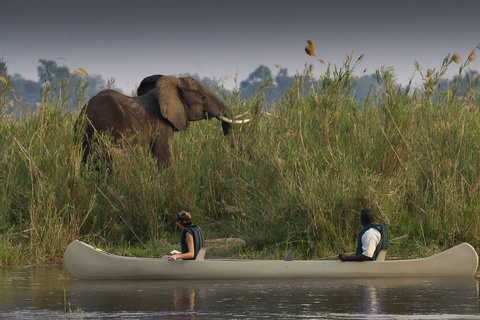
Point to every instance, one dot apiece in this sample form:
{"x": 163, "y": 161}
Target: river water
{"x": 51, "y": 293}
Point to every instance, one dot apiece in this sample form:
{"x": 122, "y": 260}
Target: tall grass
{"x": 295, "y": 177}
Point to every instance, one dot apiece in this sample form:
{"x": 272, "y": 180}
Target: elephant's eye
{"x": 204, "y": 98}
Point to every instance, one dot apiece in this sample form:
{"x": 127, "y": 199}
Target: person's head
{"x": 367, "y": 216}
{"x": 184, "y": 218}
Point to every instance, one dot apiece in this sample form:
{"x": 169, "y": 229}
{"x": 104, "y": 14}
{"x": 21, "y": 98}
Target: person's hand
{"x": 342, "y": 257}
{"x": 172, "y": 258}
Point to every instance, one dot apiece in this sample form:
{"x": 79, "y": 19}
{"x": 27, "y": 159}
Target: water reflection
{"x": 49, "y": 292}
{"x": 183, "y": 299}
{"x": 335, "y": 297}
{"x": 370, "y": 300}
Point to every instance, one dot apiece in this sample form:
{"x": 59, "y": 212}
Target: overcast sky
{"x": 129, "y": 40}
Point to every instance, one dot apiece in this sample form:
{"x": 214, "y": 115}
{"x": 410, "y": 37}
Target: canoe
{"x": 84, "y": 261}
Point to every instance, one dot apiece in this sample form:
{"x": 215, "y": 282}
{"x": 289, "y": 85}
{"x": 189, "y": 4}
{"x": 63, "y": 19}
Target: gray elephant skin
{"x": 163, "y": 105}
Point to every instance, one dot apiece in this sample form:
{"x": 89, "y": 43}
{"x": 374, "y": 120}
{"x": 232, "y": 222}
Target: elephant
{"x": 164, "y": 104}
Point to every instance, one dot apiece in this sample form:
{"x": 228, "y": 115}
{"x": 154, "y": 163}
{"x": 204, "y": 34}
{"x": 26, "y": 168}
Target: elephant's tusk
{"x": 240, "y": 115}
{"x": 232, "y": 121}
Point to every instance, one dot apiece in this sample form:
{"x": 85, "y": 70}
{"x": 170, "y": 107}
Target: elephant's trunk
{"x": 222, "y": 112}
{"x": 226, "y": 128}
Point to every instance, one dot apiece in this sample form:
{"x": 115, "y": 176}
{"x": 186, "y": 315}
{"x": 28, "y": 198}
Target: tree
{"x": 3, "y": 69}
{"x": 95, "y": 82}
{"x": 255, "y": 81}
{"x": 283, "y": 81}
{"x": 51, "y": 72}
{"x": 461, "y": 85}
{"x": 52, "y": 76}
{"x": 27, "y": 91}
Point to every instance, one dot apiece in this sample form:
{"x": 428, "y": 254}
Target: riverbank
{"x": 293, "y": 178}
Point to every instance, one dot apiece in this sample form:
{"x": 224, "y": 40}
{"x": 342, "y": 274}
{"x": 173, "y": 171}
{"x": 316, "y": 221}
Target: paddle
{"x": 290, "y": 255}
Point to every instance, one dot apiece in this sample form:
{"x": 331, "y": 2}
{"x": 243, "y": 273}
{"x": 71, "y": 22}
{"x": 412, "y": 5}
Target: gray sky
{"x": 129, "y": 40}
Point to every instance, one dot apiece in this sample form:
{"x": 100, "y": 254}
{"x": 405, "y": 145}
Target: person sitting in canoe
{"x": 372, "y": 239}
{"x": 191, "y": 238}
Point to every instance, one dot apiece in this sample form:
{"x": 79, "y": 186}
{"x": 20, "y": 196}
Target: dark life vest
{"x": 198, "y": 240}
{"x": 382, "y": 245}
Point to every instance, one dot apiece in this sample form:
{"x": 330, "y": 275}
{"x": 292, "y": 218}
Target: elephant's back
{"x": 109, "y": 109}
{"x": 106, "y": 101}
{"x": 108, "y": 97}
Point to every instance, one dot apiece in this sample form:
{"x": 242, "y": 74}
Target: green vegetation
{"x": 296, "y": 177}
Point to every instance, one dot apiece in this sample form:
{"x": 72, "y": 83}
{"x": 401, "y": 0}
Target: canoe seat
{"x": 290, "y": 255}
{"x": 381, "y": 255}
{"x": 201, "y": 254}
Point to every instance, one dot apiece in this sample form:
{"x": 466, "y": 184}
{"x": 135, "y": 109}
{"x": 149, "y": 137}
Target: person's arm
{"x": 359, "y": 257}
{"x": 369, "y": 242}
{"x": 187, "y": 255}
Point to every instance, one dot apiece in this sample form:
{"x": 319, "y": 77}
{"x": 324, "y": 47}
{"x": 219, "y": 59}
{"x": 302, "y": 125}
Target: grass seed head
{"x": 226, "y": 78}
{"x": 456, "y": 58}
{"x": 81, "y": 71}
{"x": 310, "y": 48}
{"x": 472, "y": 57}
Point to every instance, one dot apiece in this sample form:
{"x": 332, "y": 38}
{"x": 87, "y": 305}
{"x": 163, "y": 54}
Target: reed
{"x": 294, "y": 178}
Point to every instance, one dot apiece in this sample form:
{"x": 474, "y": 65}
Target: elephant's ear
{"x": 148, "y": 84}
{"x": 171, "y": 104}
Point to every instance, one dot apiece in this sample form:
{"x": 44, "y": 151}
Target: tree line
{"x": 26, "y": 95}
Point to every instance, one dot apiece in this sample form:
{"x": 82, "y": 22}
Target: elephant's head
{"x": 186, "y": 99}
